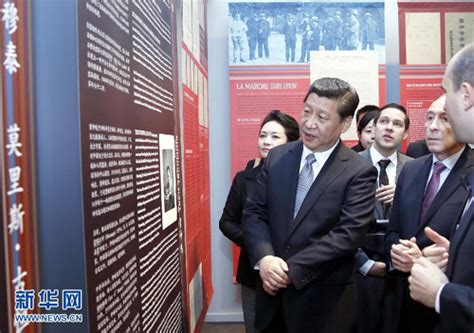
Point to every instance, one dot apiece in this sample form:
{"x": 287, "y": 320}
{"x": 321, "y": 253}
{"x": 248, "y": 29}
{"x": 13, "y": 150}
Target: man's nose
{"x": 311, "y": 122}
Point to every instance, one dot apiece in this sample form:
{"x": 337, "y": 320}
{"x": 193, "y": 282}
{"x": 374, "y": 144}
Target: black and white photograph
{"x": 286, "y": 32}
{"x": 168, "y": 179}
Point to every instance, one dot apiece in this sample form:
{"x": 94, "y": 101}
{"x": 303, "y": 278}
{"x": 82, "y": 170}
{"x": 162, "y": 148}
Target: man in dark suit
{"x": 429, "y": 193}
{"x": 306, "y": 218}
{"x": 390, "y": 128}
{"x": 417, "y": 149}
{"x": 452, "y": 295}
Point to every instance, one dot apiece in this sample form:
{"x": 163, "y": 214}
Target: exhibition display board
{"x": 430, "y": 34}
{"x": 131, "y": 166}
{"x": 194, "y": 74}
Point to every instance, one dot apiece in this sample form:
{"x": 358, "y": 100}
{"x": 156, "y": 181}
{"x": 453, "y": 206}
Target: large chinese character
{"x": 48, "y": 299}
{"x": 10, "y": 17}
{"x": 11, "y": 64}
{"x": 18, "y": 280}
{"x": 13, "y": 139}
{"x": 72, "y": 299}
{"x": 24, "y": 299}
{"x": 16, "y": 218}
{"x": 15, "y": 173}
{"x": 27, "y": 297}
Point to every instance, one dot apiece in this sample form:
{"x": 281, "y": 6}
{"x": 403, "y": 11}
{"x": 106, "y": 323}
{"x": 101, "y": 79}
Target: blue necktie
{"x": 305, "y": 180}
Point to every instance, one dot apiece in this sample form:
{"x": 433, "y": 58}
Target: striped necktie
{"x": 305, "y": 180}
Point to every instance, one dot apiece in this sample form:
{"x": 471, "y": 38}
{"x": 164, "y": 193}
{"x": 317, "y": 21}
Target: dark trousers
{"x": 278, "y": 324}
{"x": 370, "y": 303}
{"x": 290, "y": 51}
{"x": 304, "y": 50}
{"x": 252, "y": 47}
{"x": 324, "y": 309}
{"x": 262, "y": 45}
{"x": 369, "y": 43}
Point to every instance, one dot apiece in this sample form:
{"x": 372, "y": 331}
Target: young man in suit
{"x": 310, "y": 210}
{"x": 390, "y": 128}
{"x": 452, "y": 295}
{"x": 429, "y": 193}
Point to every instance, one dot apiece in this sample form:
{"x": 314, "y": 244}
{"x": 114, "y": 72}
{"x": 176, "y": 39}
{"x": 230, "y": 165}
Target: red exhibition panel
{"x": 417, "y": 92}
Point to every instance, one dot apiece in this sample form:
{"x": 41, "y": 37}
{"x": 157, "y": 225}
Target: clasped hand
{"x": 404, "y": 253}
{"x": 274, "y": 274}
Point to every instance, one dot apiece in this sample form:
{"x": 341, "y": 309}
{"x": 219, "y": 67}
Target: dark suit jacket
{"x": 231, "y": 220}
{"x": 358, "y": 147}
{"x": 457, "y": 297}
{"x": 371, "y": 310}
{"x": 373, "y": 245}
{"x": 405, "y": 222}
{"x": 417, "y": 149}
{"x": 319, "y": 245}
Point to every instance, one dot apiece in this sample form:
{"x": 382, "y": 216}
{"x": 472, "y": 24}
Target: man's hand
{"x": 385, "y": 193}
{"x": 378, "y": 269}
{"x": 273, "y": 272}
{"x": 404, "y": 253}
{"x": 437, "y": 253}
{"x": 425, "y": 280}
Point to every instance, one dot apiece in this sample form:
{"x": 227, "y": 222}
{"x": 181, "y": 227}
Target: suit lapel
{"x": 331, "y": 169}
{"x": 449, "y": 186}
{"x": 400, "y": 163}
{"x": 419, "y": 184}
{"x": 378, "y": 205}
{"x": 464, "y": 222}
{"x": 458, "y": 234}
{"x": 291, "y": 180}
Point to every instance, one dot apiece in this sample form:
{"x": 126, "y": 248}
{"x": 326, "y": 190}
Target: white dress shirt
{"x": 375, "y": 156}
{"x": 321, "y": 158}
{"x": 391, "y": 170}
{"x": 449, "y": 163}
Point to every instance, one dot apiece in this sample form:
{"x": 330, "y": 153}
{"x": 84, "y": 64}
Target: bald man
{"x": 429, "y": 193}
{"x": 452, "y": 293}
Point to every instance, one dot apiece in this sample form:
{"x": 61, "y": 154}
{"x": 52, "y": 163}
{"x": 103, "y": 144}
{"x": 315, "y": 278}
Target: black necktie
{"x": 383, "y": 177}
{"x": 383, "y": 180}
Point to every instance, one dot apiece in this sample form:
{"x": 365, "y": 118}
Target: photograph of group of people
{"x": 367, "y": 238}
{"x": 276, "y": 33}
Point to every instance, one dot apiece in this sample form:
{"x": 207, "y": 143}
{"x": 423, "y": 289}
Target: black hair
{"x": 366, "y": 118}
{"x": 336, "y": 89}
{"x": 365, "y": 109}
{"x": 289, "y": 123}
{"x": 399, "y": 108}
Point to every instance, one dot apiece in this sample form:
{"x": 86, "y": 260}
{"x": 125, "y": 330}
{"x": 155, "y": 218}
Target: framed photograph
{"x": 168, "y": 179}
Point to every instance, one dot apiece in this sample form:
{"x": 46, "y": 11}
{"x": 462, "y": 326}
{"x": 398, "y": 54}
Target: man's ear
{"x": 346, "y": 123}
{"x": 467, "y": 91}
{"x": 405, "y": 135}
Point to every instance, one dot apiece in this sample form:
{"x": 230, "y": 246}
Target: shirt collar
{"x": 376, "y": 156}
{"x": 450, "y": 161}
{"x": 321, "y": 157}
